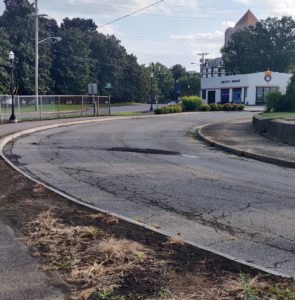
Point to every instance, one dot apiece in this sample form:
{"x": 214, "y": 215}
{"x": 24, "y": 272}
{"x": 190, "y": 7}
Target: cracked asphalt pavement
{"x": 151, "y": 170}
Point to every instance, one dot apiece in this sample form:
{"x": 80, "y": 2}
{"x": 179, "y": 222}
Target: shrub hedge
{"x": 171, "y": 109}
{"x": 191, "y": 103}
{"x": 178, "y": 108}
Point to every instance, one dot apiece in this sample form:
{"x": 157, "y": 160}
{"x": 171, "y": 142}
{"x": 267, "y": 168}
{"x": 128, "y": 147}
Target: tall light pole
{"x": 152, "y": 78}
{"x": 37, "y": 54}
{"x": 11, "y": 59}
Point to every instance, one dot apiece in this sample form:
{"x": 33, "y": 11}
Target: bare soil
{"x": 96, "y": 256}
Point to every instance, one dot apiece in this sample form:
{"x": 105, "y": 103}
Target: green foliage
{"x": 178, "y": 71}
{"x": 276, "y": 102}
{"x": 106, "y": 296}
{"x": 171, "y": 109}
{"x": 214, "y": 107}
{"x": 4, "y": 51}
{"x": 162, "y": 82}
{"x": 191, "y": 103}
{"x": 268, "y": 45}
{"x": 204, "y": 107}
{"x": 228, "y": 107}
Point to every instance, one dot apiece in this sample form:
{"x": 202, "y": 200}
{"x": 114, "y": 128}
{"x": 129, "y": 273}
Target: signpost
{"x": 92, "y": 90}
{"x": 108, "y": 86}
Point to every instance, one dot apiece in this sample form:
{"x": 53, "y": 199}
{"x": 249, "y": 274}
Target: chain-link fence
{"x": 54, "y": 107}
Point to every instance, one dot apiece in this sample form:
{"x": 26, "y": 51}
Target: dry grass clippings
{"x": 89, "y": 256}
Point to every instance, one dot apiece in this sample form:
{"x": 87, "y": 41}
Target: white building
{"x": 249, "y": 89}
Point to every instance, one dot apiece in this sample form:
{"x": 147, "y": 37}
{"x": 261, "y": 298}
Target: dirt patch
{"x": 95, "y": 256}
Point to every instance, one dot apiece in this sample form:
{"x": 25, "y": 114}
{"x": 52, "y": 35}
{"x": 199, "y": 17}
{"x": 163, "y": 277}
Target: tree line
{"x": 82, "y": 56}
{"x": 268, "y": 45}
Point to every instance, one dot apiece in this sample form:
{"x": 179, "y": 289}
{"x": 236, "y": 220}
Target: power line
{"x": 131, "y": 14}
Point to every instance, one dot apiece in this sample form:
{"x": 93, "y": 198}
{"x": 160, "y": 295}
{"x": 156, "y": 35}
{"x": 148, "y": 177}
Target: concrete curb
{"x": 11, "y": 137}
{"x": 243, "y": 153}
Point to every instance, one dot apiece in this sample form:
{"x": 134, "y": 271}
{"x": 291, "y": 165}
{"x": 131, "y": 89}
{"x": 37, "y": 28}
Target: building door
{"x": 237, "y": 96}
{"x": 211, "y": 97}
{"x": 224, "y": 96}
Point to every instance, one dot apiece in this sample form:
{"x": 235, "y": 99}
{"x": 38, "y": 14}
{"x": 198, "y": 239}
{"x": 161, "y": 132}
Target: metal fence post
{"x": 82, "y": 102}
{"x": 19, "y": 109}
{"x": 40, "y": 101}
{"x": 109, "y": 104}
{"x": 58, "y": 107}
{"x": 97, "y": 112}
{"x": 1, "y": 109}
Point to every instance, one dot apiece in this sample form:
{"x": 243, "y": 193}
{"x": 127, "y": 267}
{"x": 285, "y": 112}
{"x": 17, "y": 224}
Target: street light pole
{"x": 11, "y": 58}
{"x": 37, "y": 55}
{"x": 152, "y": 77}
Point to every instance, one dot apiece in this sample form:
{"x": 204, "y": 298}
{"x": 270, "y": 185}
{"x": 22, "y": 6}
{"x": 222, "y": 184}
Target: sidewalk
{"x": 238, "y": 137}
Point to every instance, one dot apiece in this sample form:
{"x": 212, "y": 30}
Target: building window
{"x": 262, "y": 92}
{"x": 224, "y": 96}
{"x": 237, "y": 95}
{"x": 204, "y": 94}
{"x": 219, "y": 72}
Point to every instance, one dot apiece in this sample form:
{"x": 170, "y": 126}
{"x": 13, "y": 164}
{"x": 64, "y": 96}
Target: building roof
{"x": 214, "y": 63}
{"x": 247, "y": 20}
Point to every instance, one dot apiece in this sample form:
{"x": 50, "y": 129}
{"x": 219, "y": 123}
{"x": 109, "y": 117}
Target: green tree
{"x": 72, "y": 62}
{"x": 190, "y": 84}
{"x": 269, "y": 45}
{"x": 178, "y": 71}
{"x": 17, "y": 21}
{"x": 4, "y": 73}
{"x": 19, "y": 26}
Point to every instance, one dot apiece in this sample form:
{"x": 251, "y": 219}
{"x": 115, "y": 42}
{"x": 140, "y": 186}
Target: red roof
{"x": 247, "y": 20}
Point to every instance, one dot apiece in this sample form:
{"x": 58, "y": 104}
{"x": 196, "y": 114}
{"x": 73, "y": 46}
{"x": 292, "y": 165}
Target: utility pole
{"x": 37, "y": 55}
{"x": 202, "y": 60}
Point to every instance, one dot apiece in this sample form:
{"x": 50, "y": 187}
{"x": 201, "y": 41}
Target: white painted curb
{"x": 13, "y": 136}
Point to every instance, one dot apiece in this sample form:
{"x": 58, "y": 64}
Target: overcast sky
{"x": 174, "y": 31}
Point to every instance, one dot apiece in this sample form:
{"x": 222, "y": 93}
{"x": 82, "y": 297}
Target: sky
{"x": 172, "y": 32}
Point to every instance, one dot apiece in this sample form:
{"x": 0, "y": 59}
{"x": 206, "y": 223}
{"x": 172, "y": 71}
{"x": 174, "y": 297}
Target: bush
{"x": 241, "y": 107}
{"x": 228, "y": 107}
{"x": 214, "y": 107}
{"x": 235, "y": 107}
{"x": 171, "y": 109}
{"x": 204, "y": 107}
{"x": 191, "y": 103}
{"x": 277, "y": 102}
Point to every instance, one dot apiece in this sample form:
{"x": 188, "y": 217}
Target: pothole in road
{"x": 145, "y": 151}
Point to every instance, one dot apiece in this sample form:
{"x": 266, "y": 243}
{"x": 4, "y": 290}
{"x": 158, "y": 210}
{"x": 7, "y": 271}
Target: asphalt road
{"x": 150, "y": 170}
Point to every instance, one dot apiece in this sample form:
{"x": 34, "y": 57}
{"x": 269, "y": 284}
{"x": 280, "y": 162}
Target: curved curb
{"x": 243, "y": 153}
{"x": 11, "y": 137}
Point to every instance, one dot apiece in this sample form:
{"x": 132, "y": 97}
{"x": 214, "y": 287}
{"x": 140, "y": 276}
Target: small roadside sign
{"x": 108, "y": 86}
{"x": 92, "y": 88}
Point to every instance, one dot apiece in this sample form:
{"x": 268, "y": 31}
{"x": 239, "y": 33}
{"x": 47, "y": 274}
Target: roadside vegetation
{"x": 195, "y": 103}
{"x": 279, "y": 115}
{"x": 276, "y": 102}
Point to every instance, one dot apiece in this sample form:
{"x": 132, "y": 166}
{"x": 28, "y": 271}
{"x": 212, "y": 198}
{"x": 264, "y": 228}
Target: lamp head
{"x": 11, "y": 55}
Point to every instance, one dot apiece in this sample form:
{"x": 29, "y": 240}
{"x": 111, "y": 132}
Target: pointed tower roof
{"x": 247, "y": 20}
